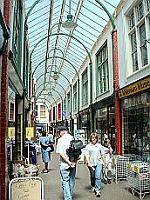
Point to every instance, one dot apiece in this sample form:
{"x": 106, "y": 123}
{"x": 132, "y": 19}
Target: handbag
{"x": 52, "y": 147}
{"x": 43, "y": 146}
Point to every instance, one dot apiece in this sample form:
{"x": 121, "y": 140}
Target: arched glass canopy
{"x": 54, "y": 48}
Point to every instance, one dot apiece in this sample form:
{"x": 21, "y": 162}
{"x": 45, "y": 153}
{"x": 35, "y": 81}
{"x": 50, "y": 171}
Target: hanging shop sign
{"x": 134, "y": 88}
{"x": 29, "y": 132}
{"x": 29, "y": 188}
{"x": 11, "y": 133}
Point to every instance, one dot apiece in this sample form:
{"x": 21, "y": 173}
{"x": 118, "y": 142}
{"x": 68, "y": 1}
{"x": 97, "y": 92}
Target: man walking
{"x": 67, "y": 167}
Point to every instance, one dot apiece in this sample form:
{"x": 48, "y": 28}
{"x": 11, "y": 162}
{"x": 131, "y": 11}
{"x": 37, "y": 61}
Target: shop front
{"x": 104, "y": 118}
{"x": 136, "y": 118}
{"x": 85, "y": 121}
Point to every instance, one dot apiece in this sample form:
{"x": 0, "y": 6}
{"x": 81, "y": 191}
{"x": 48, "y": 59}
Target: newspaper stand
{"x": 120, "y": 166}
{"x": 139, "y": 178}
{"x": 26, "y": 188}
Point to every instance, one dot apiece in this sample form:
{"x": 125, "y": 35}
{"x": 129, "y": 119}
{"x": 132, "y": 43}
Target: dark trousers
{"x": 92, "y": 175}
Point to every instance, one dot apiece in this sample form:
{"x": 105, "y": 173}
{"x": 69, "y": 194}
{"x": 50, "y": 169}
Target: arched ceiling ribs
{"x": 50, "y": 94}
{"x": 48, "y": 83}
{"x": 49, "y": 100}
{"x": 43, "y": 102}
{"x": 63, "y": 34}
{"x": 57, "y": 48}
{"x": 59, "y": 58}
{"x": 41, "y": 75}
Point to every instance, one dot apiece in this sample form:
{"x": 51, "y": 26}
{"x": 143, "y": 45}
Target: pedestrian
{"x": 45, "y": 150}
{"x": 94, "y": 154}
{"x": 67, "y": 167}
{"x": 107, "y": 162}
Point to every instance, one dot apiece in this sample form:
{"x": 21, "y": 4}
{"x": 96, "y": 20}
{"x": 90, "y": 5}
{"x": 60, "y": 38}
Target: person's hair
{"x": 95, "y": 135}
{"x": 43, "y": 133}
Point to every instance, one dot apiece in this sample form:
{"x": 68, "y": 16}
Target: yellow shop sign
{"x": 139, "y": 86}
{"x": 11, "y": 133}
{"x": 29, "y": 132}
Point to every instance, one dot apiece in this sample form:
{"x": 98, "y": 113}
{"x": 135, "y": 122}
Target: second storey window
{"x": 42, "y": 111}
{"x": 143, "y": 45}
{"x": 84, "y": 88}
{"x": 138, "y": 35}
{"x": 75, "y": 101}
{"x": 68, "y": 103}
{"x": 102, "y": 70}
{"x": 134, "y": 51}
{"x": 11, "y": 112}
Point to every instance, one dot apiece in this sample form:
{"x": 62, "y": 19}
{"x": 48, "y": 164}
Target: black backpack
{"x": 74, "y": 150}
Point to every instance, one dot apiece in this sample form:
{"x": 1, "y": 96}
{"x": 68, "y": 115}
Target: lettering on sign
{"x": 135, "y": 88}
{"x": 26, "y": 190}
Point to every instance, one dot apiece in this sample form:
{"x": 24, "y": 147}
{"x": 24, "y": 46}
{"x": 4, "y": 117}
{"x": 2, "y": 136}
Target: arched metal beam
{"x": 49, "y": 83}
{"x": 47, "y": 99}
{"x": 51, "y": 76}
{"x": 38, "y": 101}
{"x": 44, "y": 99}
{"x": 59, "y": 58}
{"x": 108, "y": 13}
{"x": 65, "y": 34}
{"x": 57, "y": 49}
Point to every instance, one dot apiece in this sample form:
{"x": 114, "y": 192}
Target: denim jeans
{"x": 95, "y": 176}
{"x": 68, "y": 181}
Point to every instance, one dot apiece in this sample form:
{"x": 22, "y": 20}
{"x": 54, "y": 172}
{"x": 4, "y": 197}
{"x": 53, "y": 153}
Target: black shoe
{"x": 105, "y": 182}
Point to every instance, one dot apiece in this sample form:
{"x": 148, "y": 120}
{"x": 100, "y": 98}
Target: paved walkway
{"x": 53, "y": 190}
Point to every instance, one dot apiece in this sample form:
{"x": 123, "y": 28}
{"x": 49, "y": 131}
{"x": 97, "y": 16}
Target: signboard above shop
{"x": 134, "y": 88}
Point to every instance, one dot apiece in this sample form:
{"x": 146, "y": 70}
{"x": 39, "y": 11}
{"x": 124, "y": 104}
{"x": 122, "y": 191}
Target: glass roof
{"x": 57, "y": 53}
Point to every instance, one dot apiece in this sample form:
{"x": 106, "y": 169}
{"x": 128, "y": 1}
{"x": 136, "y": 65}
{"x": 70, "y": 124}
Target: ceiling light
{"x": 55, "y": 76}
{"x": 69, "y": 24}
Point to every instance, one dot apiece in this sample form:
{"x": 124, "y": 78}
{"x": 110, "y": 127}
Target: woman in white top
{"x": 94, "y": 153}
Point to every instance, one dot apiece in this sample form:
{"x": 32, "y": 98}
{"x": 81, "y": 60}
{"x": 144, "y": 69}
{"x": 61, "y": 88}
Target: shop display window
{"x": 136, "y": 125}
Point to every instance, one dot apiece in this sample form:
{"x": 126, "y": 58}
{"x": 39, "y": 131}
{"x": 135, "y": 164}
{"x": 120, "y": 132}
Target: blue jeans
{"x": 95, "y": 176}
{"x": 68, "y": 181}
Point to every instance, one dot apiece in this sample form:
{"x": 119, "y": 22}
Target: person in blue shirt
{"x": 45, "y": 150}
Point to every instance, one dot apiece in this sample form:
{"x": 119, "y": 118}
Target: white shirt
{"x": 94, "y": 152}
{"x": 62, "y": 145}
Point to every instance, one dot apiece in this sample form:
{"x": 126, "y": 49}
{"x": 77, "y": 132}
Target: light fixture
{"x": 55, "y": 76}
{"x": 69, "y": 24}
{"x": 44, "y": 92}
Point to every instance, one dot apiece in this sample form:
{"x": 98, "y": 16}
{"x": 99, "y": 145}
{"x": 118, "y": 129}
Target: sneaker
{"x": 45, "y": 171}
{"x": 93, "y": 189}
{"x": 98, "y": 194}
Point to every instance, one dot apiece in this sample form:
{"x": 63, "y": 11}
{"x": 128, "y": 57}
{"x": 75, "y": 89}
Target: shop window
{"x": 136, "y": 118}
